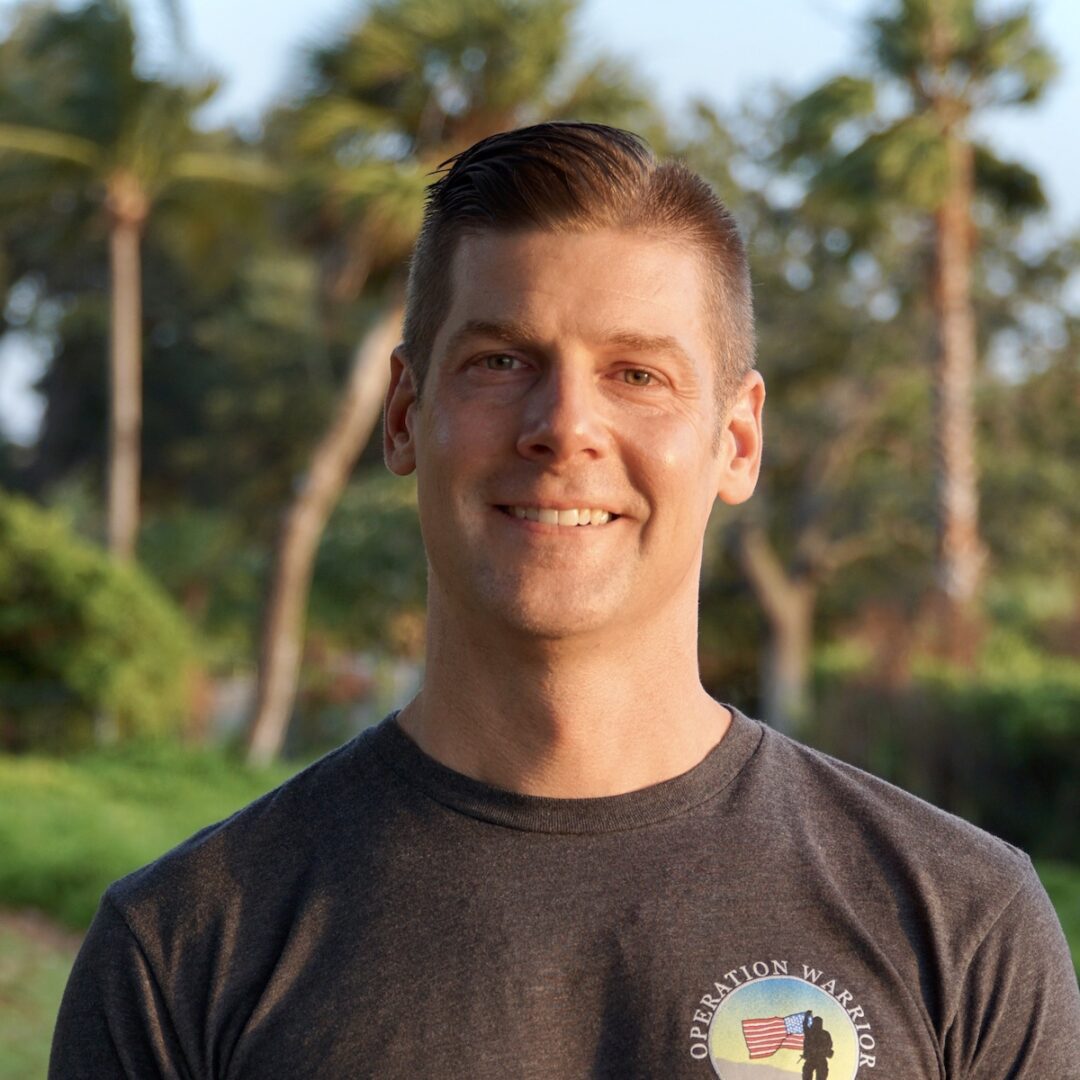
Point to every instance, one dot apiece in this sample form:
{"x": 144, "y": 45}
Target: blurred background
{"x": 207, "y": 577}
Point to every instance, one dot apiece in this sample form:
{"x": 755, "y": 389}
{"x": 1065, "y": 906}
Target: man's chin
{"x": 544, "y": 606}
{"x": 547, "y": 620}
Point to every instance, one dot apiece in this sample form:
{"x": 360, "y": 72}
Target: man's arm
{"x": 113, "y": 1019}
{"x": 1018, "y": 1012}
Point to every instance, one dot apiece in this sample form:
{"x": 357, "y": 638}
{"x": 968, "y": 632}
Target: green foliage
{"x": 82, "y": 637}
{"x": 813, "y": 122}
{"x": 71, "y": 71}
{"x": 69, "y": 828}
{"x": 75, "y": 95}
{"x": 411, "y": 83}
{"x": 993, "y": 55}
{"x": 879, "y": 134}
{"x": 72, "y": 75}
{"x": 371, "y": 568}
{"x": 428, "y": 66}
{"x": 1013, "y": 188}
{"x": 208, "y": 566}
{"x": 35, "y": 960}
{"x": 1031, "y": 445}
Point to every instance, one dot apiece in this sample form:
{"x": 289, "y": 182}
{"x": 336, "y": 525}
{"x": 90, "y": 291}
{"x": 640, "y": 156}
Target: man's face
{"x": 572, "y": 372}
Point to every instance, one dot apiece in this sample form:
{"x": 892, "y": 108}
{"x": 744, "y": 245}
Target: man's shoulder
{"x": 931, "y": 890}
{"x": 272, "y": 838}
{"x": 855, "y": 815}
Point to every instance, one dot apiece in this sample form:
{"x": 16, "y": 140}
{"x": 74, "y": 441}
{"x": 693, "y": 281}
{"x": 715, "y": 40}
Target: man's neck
{"x": 566, "y": 720}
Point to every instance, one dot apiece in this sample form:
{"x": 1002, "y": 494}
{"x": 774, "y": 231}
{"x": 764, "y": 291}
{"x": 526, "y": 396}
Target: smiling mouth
{"x": 569, "y": 518}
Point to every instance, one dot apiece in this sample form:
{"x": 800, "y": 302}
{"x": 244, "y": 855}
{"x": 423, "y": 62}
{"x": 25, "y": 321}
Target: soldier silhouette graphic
{"x": 817, "y": 1048}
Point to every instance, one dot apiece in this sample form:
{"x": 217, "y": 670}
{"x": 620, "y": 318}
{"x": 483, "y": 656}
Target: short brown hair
{"x": 571, "y": 177}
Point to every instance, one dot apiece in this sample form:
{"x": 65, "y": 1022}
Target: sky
{"x": 721, "y": 50}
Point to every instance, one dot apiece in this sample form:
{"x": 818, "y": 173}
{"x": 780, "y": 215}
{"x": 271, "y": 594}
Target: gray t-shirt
{"x": 772, "y": 913}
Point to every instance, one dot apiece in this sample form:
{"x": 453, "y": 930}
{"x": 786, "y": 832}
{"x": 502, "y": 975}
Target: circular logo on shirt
{"x": 780, "y": 1027}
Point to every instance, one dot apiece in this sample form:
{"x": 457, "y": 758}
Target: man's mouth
{"x": 546, "y": 515}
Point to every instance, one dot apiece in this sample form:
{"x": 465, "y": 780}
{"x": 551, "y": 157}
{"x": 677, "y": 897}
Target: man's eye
{"x": 637, "y": 377}
{"x": 500, "y": 362}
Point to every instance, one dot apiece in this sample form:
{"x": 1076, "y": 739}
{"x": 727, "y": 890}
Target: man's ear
{"x": 399, "y": 448}
{"x": 740, "y": 442}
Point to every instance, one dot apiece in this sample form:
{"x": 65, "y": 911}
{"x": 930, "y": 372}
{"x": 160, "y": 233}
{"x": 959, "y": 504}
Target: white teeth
{"x": 547, "y": 516}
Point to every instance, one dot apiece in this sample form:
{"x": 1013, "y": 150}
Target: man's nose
{"x": 563, "y": 418}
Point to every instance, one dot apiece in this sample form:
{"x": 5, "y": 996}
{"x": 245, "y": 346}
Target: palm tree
{"x": 901, "y": 135}
{"x": 413, "y": 83}
{"x": 124, "y": 139}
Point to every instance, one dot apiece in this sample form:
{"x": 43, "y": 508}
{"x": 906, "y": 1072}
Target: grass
{"x": 35, "y": 960}
{"x": 1062, "y": 882}
{"x": 67, "y": 829}
{"x": 70, "y": 827}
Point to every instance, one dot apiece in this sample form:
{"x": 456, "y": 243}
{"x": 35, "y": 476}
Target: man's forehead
{"x": 623, "y": 282}
{"x": 515, "y": 249}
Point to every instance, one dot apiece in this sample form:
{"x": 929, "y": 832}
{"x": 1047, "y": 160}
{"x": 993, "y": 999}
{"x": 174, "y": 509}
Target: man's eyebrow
{"x": 509, "y": 332}
{"x": 645, "y": 343}
{"x": 519, "y": 332}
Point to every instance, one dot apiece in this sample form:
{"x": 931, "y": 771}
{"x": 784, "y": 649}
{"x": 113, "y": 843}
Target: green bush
{"x": 83, "y": 639}
{"x": 70, "y": 827}
{"x": 371, "y": 549}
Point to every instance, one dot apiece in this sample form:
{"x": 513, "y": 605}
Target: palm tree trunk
{"x": 333, "y": 461}
{"x": 125, "y": 365}
{"x": 788, "y": 603}
{"x": 961, "y": 554}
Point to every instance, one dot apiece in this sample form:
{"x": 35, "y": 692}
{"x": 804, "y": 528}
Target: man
{"x": 817, "y": 1049}
{"x": 563, "y": 858}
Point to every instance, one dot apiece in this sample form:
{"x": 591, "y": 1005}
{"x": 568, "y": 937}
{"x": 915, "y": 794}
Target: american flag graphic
{"x": 765, "y": 1036}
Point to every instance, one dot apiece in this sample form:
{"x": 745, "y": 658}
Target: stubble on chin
{"x": 559, "y": 611}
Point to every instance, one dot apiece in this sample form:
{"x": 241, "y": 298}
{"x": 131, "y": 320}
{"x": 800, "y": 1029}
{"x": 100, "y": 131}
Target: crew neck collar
{"x": 537, "y": 813}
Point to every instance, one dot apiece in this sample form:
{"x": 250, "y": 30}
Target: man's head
{"x": 567, "y": 444}
{"x": 574, "y": 178}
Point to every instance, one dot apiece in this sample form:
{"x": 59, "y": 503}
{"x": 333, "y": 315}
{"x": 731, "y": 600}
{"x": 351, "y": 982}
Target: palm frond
{"x": 228, "y": 168}
{"x": 41, "y": 142}
{"x": 1012, "y": 186}
{"x": 812, "y": 122}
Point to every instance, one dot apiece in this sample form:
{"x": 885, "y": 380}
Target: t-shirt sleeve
{"x": 1018, "y": 1013}
{"x": 113, "y": 1019}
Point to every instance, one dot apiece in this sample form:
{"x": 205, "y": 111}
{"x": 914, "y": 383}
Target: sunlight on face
{"x": 571, "y": 381}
